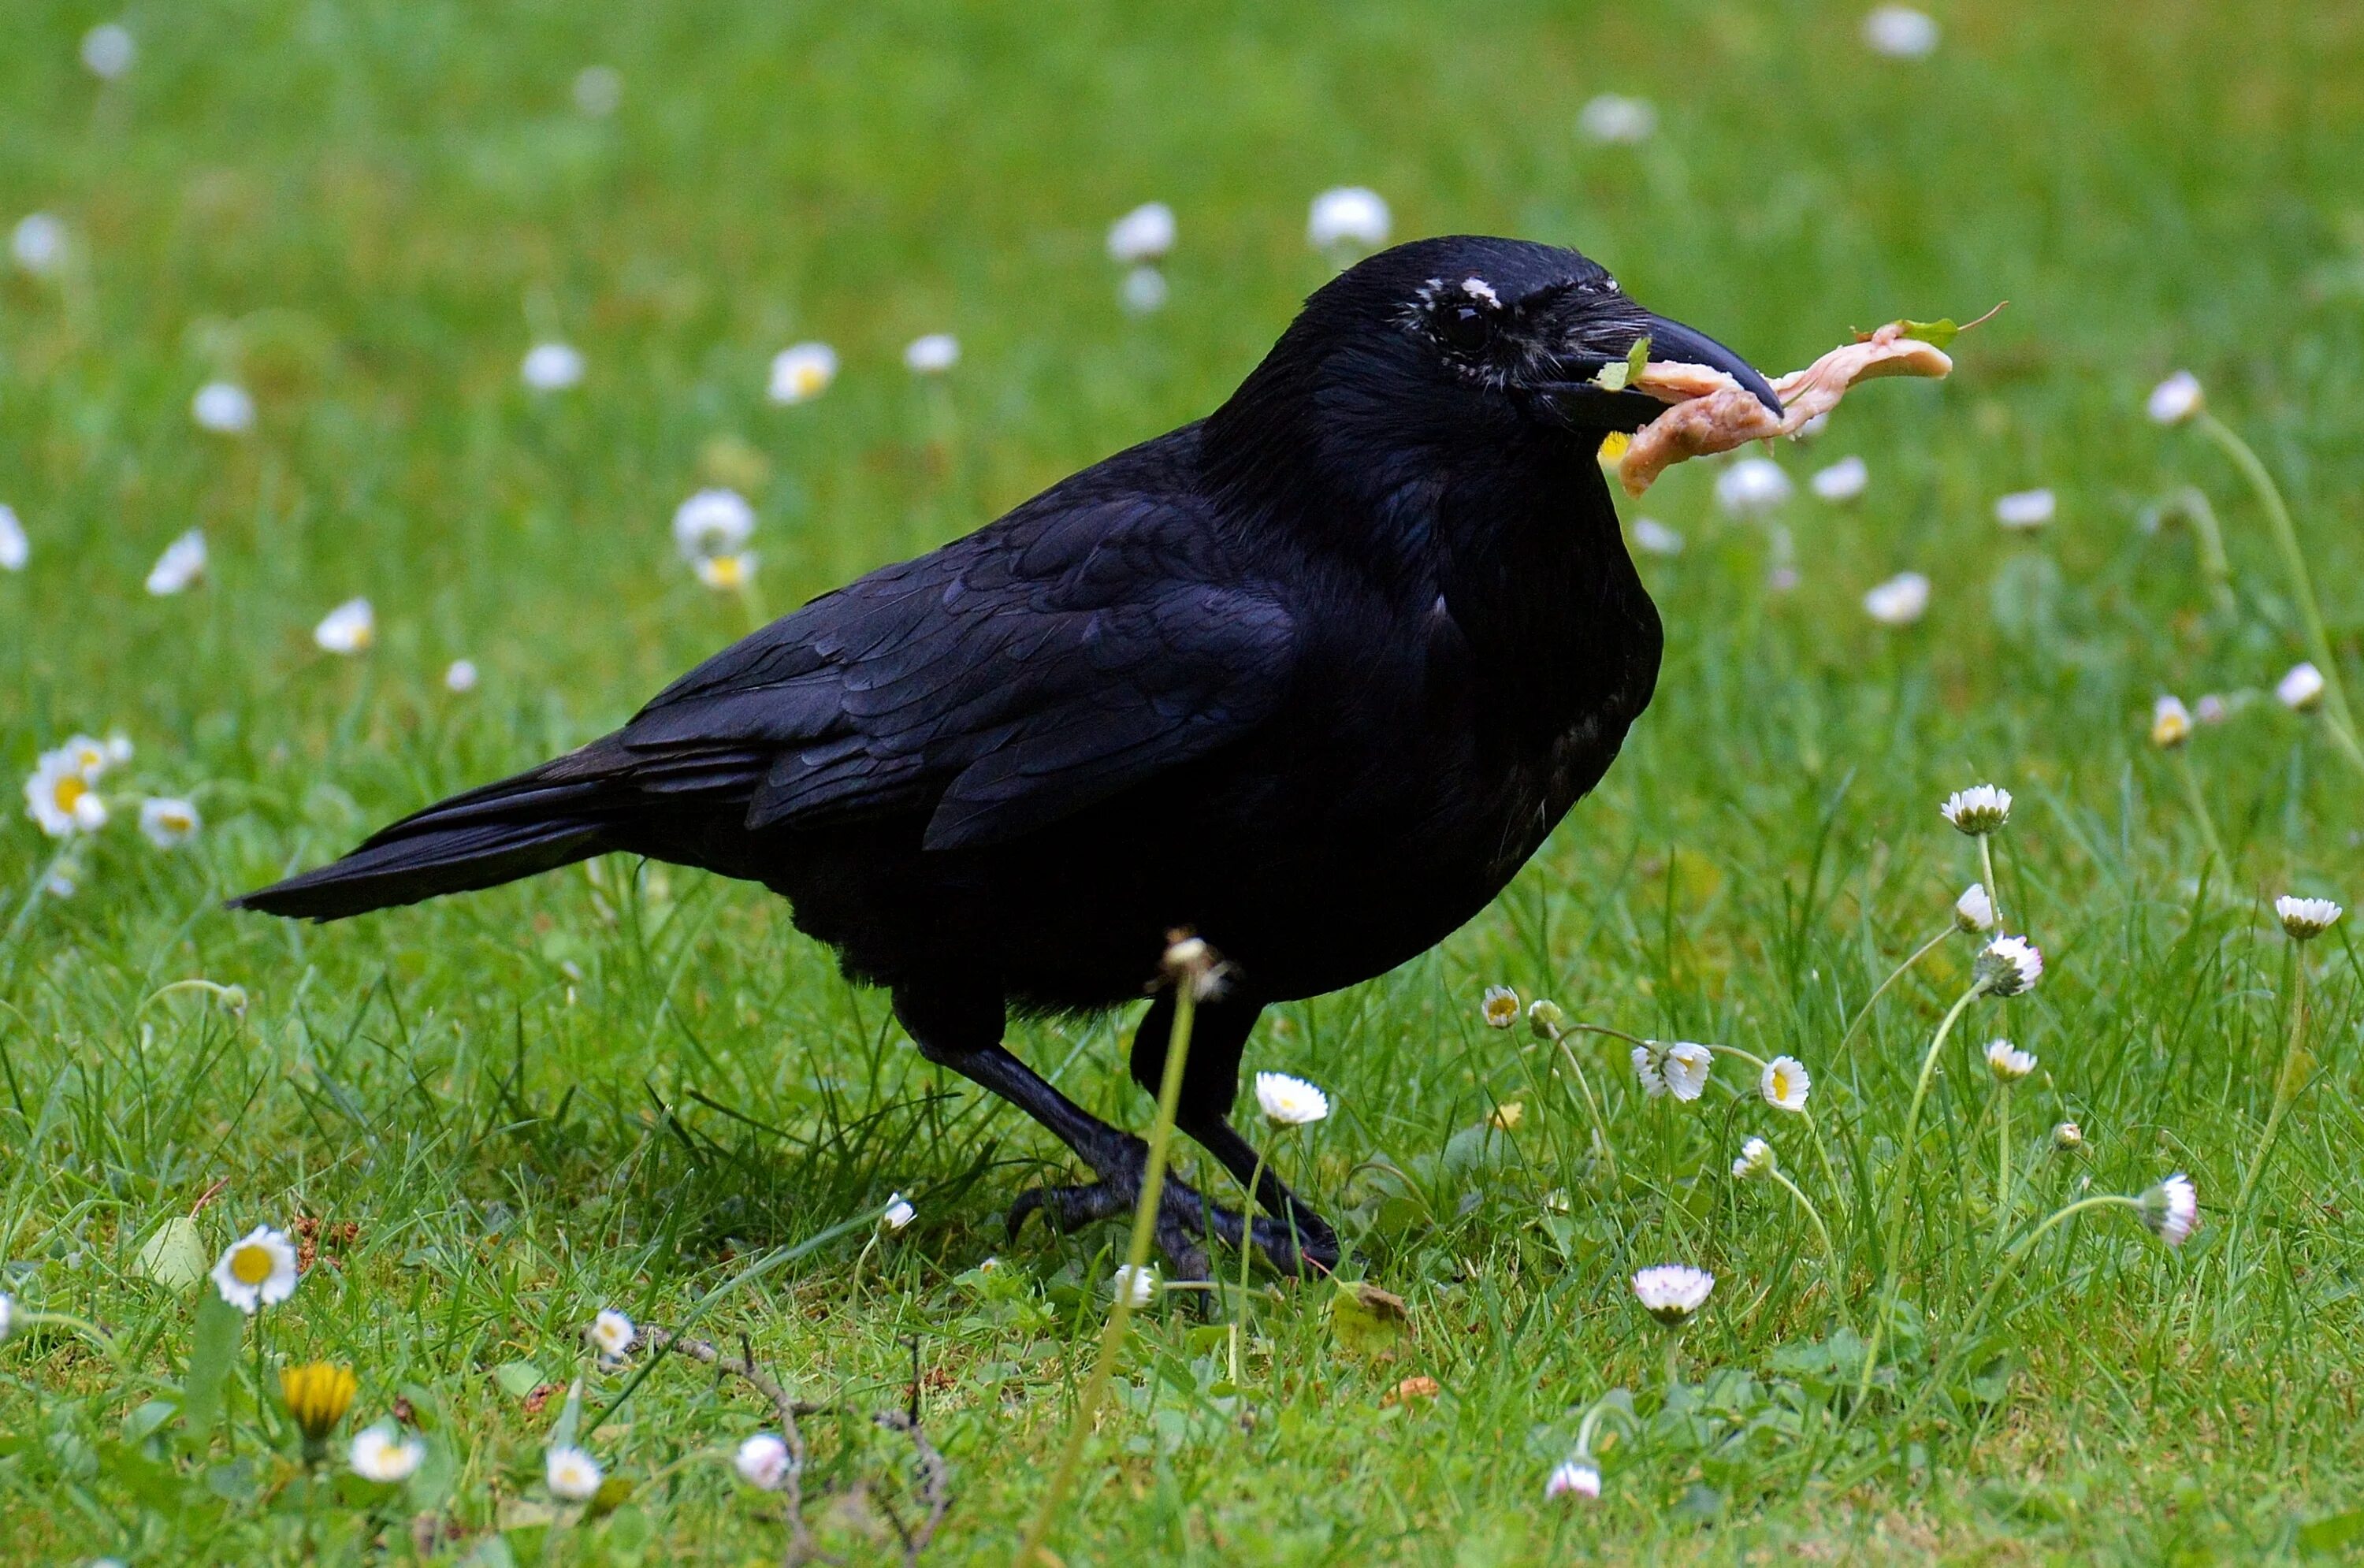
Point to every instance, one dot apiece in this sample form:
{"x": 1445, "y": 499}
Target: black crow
{"x": 1311, "y": 677}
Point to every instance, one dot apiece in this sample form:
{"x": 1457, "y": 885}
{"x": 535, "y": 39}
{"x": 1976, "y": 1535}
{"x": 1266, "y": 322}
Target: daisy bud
{"x": 2009, "y": 965}
{"x": 1672, "y": 1291}
{"x": 1544, "y": 1018}
{"x": 2301, "y": 690}
{"x": 1139, "y": 1286}
{"x": 2172, "y": 1209}
{"x": 2008, "y": 1062}
{"x": 2176, "y": 399}
{"x": 765, "y": 1462}
{"x": 316, "y": 1397}
{"x": 1978, "y": 810}
{"x": 1974, "y": 910}
{"x": 2307, "y": 918}
{"x": 1499, "y": 1006}
{"x": 2067, "y": 1135}
{"x": 2170, "y": 723}
{"x": 1756, "y": 1159}
{"x": 1574, "y": 1478}
{"x": 899, "y": 1212}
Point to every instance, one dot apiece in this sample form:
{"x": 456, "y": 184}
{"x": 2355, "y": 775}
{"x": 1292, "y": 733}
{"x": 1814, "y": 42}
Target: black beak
{"x": 1574, "y": 397}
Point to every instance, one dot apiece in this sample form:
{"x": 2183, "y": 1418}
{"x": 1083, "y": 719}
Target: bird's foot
{"x": 1184, "y": 1220}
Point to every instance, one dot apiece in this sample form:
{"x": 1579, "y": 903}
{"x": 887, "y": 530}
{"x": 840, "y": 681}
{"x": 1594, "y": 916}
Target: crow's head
{"x": 1466, "y": 343}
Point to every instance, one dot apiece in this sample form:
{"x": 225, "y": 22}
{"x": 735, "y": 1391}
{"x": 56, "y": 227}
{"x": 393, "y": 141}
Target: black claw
{"x": 1309, "y": 1247}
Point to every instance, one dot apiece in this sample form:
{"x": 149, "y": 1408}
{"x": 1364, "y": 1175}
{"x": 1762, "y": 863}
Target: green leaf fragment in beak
{"x": 1618, "y": 377}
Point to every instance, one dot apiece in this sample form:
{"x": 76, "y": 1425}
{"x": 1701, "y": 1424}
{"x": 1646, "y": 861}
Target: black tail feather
{"x": 535, "y": 822}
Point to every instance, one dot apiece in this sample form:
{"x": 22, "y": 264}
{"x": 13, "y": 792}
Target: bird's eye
{"x": 1464, "y": 326}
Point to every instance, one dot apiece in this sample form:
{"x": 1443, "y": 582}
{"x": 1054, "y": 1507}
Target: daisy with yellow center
{"x": 1499, "y": 1006}
{"x": 61, "y": 795}
{"x": 726, "y": 573}
{"x": 1785, "y": 1083}
{"x": 257, "y": 1271}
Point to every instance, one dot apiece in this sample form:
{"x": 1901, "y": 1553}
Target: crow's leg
{"x": 1297, "y": 1239}
{"x": 963, "y": 1032}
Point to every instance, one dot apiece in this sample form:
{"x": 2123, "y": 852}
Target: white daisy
{"x": 765, "y": 1462}
{"x": 612, "y": 1332}
{"x": 2299, "y": 690}
{"x": 1974, "y": 910}
{"x": 1901, "y": 32}
{"x": 2067, "y": 1135}
{"x": 1672, "y": 1291}
{"x": 2211, "y": 709}
{"x": 381, "y": 1453}
{"x": 1573, "y": 1478}
{"x": 1289, "y": 1102}
{"x": 38, "y": 243}
{"x": 1841, "y": 480}
{"x": 1756, "y": 1159}
{"x": 1785, "y": 1083}
{"x": 1347, "y": 215}
{"x": 1144, "y": 234}
{"x": 1144, "y": 291}
{"x": 932, "y": 354}
{"x": 899, "y": 1212}
{"x": 2176, "y": 399}
{"x": 183, "y": 562}
{"x": 2007, "y": 1062}
{"x": 224, "y": 407}
{"x": 1141, "y": 1288}
{"x": 1614, "y": 119}
{"x": 61, "y": 794}
{"x": 168, "y": 822}
{"x": 598, "y": 89}
{"x": 1751, "y": 486}
{"x": 15, "y": 548}
{"x": 712, "y": 522}
{"x": 1498, "y": 1006}
{"x": 2172, "y": 1209}
{"x": 2307, "y": 918}
{"x": 552, "y": 367}
{"x": 1654, "y": 538}
{"x": 257, "y": 1271}
{"x": 1686, "y": 1067}
{"x": 2009, "y": 965}
{"x": 460, "y": 675}
{"x": 2170, "y": 723}
{"x": 1900, "y": 601}
{"x": 1645, "y": 1067}
{"x": 572, "y": 1474}
{"x": 2025, "y": 509}
{"x": 108, "y": 50}
{"x": 1978, "y": 810}
{"x": 350, "y": 627}
{"x": 802, "y": 372}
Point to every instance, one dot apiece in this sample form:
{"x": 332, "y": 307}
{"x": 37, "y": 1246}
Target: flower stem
{"x": 1584, "y": 1086}
{"x": 2297, "y": 1067}
{"x": 1247, "y": 1257}
{"x": 1136, "y": 1255}
{"x": 1994, "y": 892}
{"x": 2318, "y": 641}
{"x": 1924, "y": 950}
{"x": 2199, "y": 809}
{"x": 1830, "y": 1251}
{"x": 1888, "y": 1261}
{"x": 2002, "y": 1166}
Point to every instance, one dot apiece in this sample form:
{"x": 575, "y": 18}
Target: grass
{"x": 625, "y": 1086}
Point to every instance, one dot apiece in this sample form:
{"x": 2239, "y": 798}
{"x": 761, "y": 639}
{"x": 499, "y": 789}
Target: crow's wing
{"x": 1014, "y": 677}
